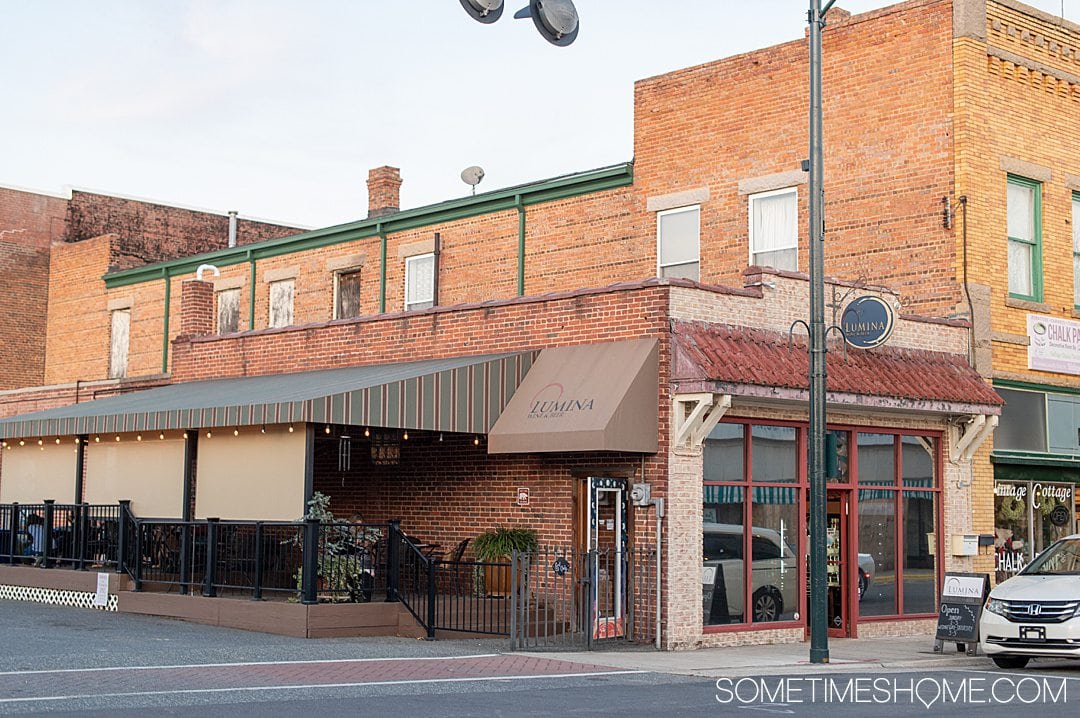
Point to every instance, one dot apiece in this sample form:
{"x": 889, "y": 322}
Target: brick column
{"x": 196, "y": 308}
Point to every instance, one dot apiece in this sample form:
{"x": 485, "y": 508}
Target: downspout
{"x": 382, "y": 268}
{"x": 521, "y": 244}
{"x": 165, "y": 327}
{"x": 251, "y": 298}
{"x": 435, "y": 279}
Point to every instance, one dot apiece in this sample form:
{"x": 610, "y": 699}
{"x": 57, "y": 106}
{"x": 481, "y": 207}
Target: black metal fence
{"x": 69, "y": 535}
{"x": 572, "y": 598}
{"x": 547, "y": 598}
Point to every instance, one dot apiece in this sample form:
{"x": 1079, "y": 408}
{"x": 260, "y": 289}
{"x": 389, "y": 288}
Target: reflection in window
{"x": 877, "y": 551}
{"x": 920, "y": 552}
{"x": 917, "y": 460}
{"x": 678, "y": 239}
{"x": 723, "y": 456}
{"x": 773, "y": 453}
{"x": 877, "y": 462}
{"x": 774, "y": 568}
{"x": 722, "y": 549}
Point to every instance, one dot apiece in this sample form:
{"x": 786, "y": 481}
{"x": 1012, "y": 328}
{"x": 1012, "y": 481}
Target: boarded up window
{"x": 228, "y": 311}
{"x": 281, "y": 302}
{"x": 420, "y": 281}
{"x": 348, "y": 295}
{"x": 118, "y": 347}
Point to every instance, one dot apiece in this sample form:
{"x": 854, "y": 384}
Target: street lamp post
{"x": 819, "y": 630}
{"x": 557, "y": 22}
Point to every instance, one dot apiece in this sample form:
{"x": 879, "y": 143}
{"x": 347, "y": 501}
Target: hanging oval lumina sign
{"x": 867, "y": 322}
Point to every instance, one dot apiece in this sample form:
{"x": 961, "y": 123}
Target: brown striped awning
{"x": 464, "y": 394}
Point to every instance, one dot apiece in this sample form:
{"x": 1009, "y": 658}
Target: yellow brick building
{"x": 1017, "y": 165}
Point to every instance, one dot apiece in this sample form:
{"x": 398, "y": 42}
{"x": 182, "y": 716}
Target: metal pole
{"x": 819, "y": 630}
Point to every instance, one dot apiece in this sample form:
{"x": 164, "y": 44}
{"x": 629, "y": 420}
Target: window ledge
{"x": 1027, "y": 304}
{"x": 1076, "y": 313}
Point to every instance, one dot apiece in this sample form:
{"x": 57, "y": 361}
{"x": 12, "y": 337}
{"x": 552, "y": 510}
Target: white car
{"x": 1036, "y": 614}
{"x": 775, "y": 571}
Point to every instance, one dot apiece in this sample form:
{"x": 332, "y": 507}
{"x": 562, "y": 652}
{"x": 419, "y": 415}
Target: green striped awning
{"x": 464, "y": 394}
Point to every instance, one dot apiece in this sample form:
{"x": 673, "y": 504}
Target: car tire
{"x": 767, "y": 605}
{"x": 1010, "y": 662}
{"x": 864, "y": 584}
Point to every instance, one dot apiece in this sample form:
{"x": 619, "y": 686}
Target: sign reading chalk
{"x": 867, "y": 322}
{"x": 101, "y": 596}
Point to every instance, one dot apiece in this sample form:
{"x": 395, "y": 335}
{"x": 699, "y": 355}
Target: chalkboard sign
{"x": 962, "y": 599}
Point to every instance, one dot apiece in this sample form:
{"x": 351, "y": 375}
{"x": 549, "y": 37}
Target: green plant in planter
{"x": 500, "y": 542}
{"x": 345, "y": 565}
{"x": 496, "y": 546}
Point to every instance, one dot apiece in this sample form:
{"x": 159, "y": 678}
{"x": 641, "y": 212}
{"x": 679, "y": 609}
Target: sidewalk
{"x": 845, "y": 654}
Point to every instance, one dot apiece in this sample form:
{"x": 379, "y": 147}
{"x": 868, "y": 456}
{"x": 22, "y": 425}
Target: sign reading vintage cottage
{"x": 867, "y": 322}
{"x": 1053, "y": 344}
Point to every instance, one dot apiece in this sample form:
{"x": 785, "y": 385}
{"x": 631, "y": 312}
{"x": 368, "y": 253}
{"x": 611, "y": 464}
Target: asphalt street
{"x": 73, "y": 662}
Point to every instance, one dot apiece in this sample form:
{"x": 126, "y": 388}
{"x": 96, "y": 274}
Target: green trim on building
{"x": 598, "y": 180}
{"x": 1036, "y": 241}
{"x": 1026, "y": 386}
{"x": 1031, "y": 458}
{"x": 1035, "y": 472}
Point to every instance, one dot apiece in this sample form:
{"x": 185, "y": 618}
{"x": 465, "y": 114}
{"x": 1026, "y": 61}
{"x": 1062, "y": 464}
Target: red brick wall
{"x": 150, "y": 232}
{"x": 887, "y": 84}
{"x": 449, "y": 490}
{"x": 511, "y": 325}
{"x": 197, "y": 308}
{"x": 28, "y": 224}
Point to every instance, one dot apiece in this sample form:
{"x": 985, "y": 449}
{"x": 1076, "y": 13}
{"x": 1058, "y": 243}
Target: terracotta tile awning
{"x": 590, "y": 397}
{"x": 724, "y": 358}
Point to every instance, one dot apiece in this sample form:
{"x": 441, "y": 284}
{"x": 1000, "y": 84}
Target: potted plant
{"x": 495, "y": 547}
{"x": 344, "y": 569}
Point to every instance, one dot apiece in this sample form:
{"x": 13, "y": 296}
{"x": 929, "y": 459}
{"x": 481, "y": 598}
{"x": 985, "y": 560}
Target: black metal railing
{"x": 79, "y": 535}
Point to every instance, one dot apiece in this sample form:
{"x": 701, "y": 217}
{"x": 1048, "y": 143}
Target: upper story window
{"x": 1025, "y": 238}
{"x": 347, "y": 294}
{"x": 228, "y": 311}
{"x": 419, "y": 281}
{"x": 281, "y": 302}
{"x": 1076, "y": 247}
{"x": 118, "y": 343}
{"x": 678, "y": 234}
{"x": 774, "y": 231}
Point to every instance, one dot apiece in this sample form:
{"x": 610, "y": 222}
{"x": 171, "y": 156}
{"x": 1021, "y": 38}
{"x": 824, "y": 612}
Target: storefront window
{"x": 877, "y": 460}
{"x": 775, "y": 585}
{"x": 920, "y": 551}
{"x": 773, "y": 453}
{"x": 1011, "y": 528}
{"x": 722, "y": 573}
{"x": 1028, "y": 517}
{"x": 724, "y": 453}
{"x": 837, "y": 457}
{"x": 877, "y": 548}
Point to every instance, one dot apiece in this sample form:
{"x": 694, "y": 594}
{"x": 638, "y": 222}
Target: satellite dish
{"x": 472, "y": 176}
{"x": 485, "y": 11}
{"x": 557, "y": 20}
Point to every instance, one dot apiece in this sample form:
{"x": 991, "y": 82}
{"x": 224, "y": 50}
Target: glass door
{"x": 837, "y": 519}
{"x": 606, "y": 541}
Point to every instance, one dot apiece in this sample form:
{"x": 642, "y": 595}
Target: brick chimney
{"x": 196, "y": 308}
{"x": 384, "y": 191}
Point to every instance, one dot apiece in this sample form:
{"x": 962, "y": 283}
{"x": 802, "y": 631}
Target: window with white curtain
{"x": 774, "y": 229}
{"x": 420, "y": 281}
{"x": 678, "y": 252}
{"x": 1023, "y": 218}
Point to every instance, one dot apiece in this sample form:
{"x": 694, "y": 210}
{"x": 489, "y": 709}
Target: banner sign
{"x": 1053, "y": 344}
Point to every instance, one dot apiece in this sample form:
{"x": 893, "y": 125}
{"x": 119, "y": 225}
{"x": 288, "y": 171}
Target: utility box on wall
{"x": 964, "y": 544}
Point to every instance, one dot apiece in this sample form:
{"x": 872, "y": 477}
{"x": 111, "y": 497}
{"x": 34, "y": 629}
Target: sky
{"x": 278, "y": 108}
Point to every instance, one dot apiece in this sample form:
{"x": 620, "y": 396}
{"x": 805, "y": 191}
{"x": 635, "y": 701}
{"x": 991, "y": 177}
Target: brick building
{"x": 943, "y": 120}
